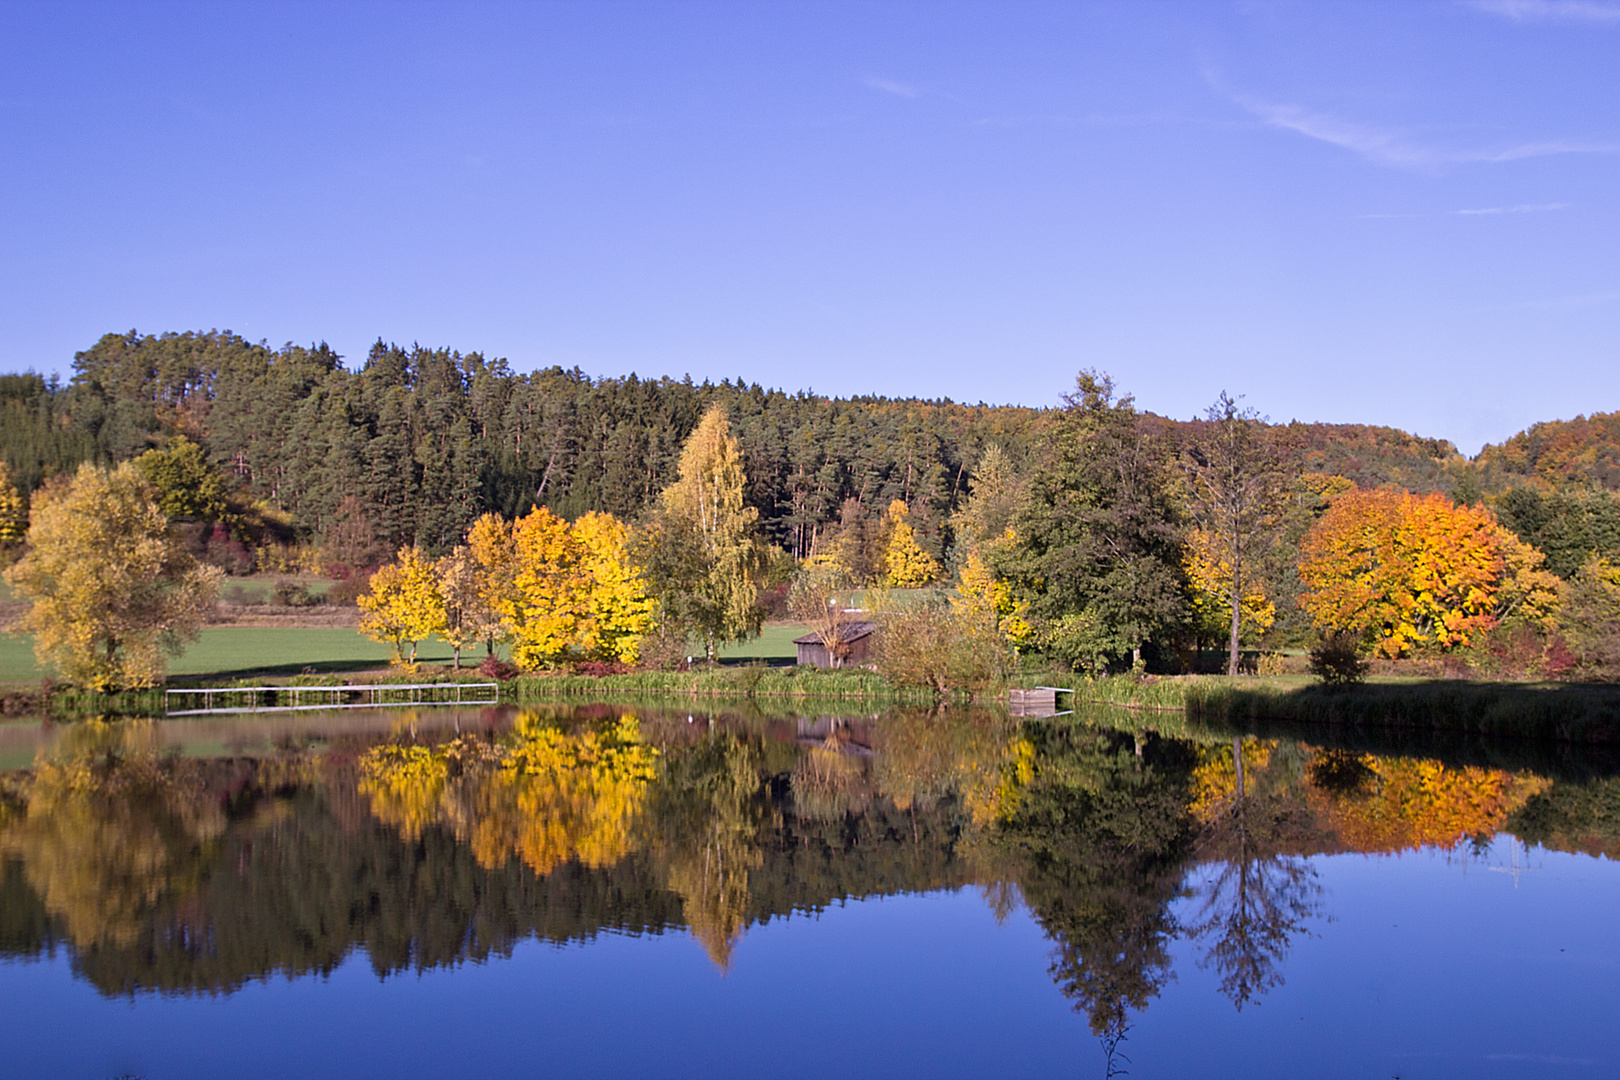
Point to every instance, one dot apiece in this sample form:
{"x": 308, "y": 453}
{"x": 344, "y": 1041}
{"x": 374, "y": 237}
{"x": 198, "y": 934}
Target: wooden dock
{"x": 244, "y": 699}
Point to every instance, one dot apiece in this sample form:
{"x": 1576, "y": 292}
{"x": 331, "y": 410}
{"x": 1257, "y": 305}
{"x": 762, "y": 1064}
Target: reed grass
{"x": 723, "y": 682}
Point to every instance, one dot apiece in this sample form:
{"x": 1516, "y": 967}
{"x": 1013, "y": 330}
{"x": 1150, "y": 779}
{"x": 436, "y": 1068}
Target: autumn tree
{"x": 546, "y": 604}
{"x": 619, "y": 612}
{"x": 490, "y": 542}
{"x": 1211, "y": 586}
{"x": 468, "y": 617}
{"x": 13, "y": 511}
{"x": 1408, "y": 571}
{"x": 702, "y": 554}
{"x": 905, "y": 564}
{"x": 402, "y": 606}
{"x": 1237, "y": 489}
{"x": 113, "y": 594}
{"x": 1098, "y": 538}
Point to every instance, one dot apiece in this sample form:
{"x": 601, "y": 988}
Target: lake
{"x": 609, "y": 890}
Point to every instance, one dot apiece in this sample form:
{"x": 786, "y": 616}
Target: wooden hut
{"x": 855, "y": 643}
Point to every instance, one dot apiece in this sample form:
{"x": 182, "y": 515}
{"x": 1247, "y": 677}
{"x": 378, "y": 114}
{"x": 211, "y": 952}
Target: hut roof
{"x": 847, "y": 633}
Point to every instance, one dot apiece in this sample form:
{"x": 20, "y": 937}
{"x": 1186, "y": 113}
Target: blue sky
{"x": 1396, "y": 213}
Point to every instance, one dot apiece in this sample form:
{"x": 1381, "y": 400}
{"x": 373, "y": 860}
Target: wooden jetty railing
{"x": 238, "y": 699}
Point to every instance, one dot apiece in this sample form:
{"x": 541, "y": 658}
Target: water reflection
{"x": 437, "y": 840}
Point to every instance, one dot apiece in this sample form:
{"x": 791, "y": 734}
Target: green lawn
{"x": 228, "y": 650}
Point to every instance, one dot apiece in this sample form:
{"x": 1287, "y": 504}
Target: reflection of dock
{"x": 832, "y": 733}
{"x": 240, "y": 699}
{"x": 1038, "y": 702}
{"x": 1514, "y": 867}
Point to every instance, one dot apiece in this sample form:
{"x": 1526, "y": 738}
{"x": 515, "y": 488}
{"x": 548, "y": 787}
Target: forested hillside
{"x": 416, "y": 443}
{"x": 1585, "y": 449}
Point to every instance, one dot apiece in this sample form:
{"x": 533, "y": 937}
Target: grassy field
{"x": 234, "y": 651}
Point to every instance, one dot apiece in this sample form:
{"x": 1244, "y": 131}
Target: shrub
{"x": 494, "y": 667}
{"x": 347, "y": 591}
{"x": 936, "y": 647}
{"x": 1336, "y": 659}
{"x": 292, "y": 594}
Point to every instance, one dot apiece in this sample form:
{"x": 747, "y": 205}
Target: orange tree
{"x": 1415, "y": 570}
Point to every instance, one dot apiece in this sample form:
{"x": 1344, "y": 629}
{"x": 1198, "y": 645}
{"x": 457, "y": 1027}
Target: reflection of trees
{"x": 1098, "y": 844}
{"x": 1256, "y": 897}
{"x": 1396, "y": 803}
{"x": 923, "y": 757}
{"x": 710, "y": 811}
{"x": 541, "y": 794}
{"x": 109, "y": 827}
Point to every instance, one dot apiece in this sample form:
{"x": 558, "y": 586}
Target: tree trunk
{"x": 1237, "y": 614}
{"x": 457, "y": 653}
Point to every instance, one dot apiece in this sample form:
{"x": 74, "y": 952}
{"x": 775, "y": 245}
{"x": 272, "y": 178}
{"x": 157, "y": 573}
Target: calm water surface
{"x": 611, "y": 891}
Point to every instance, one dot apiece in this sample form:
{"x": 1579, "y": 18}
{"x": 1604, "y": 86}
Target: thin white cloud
{"x": 890, "y": 86}
{"x": 1521, "y": 208}
{"x": 1385, "y": 146}
{"x": 1566, "y": 11}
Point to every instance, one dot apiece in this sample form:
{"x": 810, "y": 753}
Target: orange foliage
{"x": 1414, "y": 802}
{"x": 1414, "y": 570}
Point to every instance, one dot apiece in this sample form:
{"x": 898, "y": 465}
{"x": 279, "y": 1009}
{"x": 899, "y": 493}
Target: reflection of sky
{"x": 1427, "y": 965}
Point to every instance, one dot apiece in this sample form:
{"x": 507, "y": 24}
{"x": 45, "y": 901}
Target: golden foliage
{"x": 13, "y": 510}
{"x": 1211, "y": 577}
{"x": 112, "y": 826}
{"x": 402, "y": 606}
{"x": 113, "y": 594}
{"x": 905, "y": 564}
{"x": 1412, "y": 802}
{"x": 542, "y": 795}
{"x": 980, "y": 591}
{"x": 619, "y": 610}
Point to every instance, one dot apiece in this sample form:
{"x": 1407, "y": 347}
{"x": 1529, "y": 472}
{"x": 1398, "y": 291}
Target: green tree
{"x": 1590, "y": 617}
{"x": 188, "y": 485}
{"x": 1099, "y": 535}
{"x": 1238, "y": 487}
{"x": 703, "y": 555}
{"x": 113, "y": 594}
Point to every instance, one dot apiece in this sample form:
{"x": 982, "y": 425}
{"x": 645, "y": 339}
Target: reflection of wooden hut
{"x": 854, "y": 644}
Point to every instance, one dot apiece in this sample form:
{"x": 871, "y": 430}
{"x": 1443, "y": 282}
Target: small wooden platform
{"x": 1041, "y": 701}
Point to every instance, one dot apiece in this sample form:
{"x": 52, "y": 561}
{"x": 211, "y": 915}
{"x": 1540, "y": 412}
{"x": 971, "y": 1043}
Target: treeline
{"x": 418, "y": 442}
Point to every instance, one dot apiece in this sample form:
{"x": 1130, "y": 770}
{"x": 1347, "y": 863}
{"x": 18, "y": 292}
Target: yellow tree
{"x": 979, "y": 590}
{"x": 490, "y": 541}
{"x": 468, "y": 617}
{"x": 701, "y": 541}
{"x": 1210, "y": 574}
{"x": 113, "y": 594}
{"x": 402, "y": 605}
{"x": 549, "y": 596}
{"x": 905, "y": 564}
{"x": 13, "y": 511}
{"x": 619, "y": 612}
